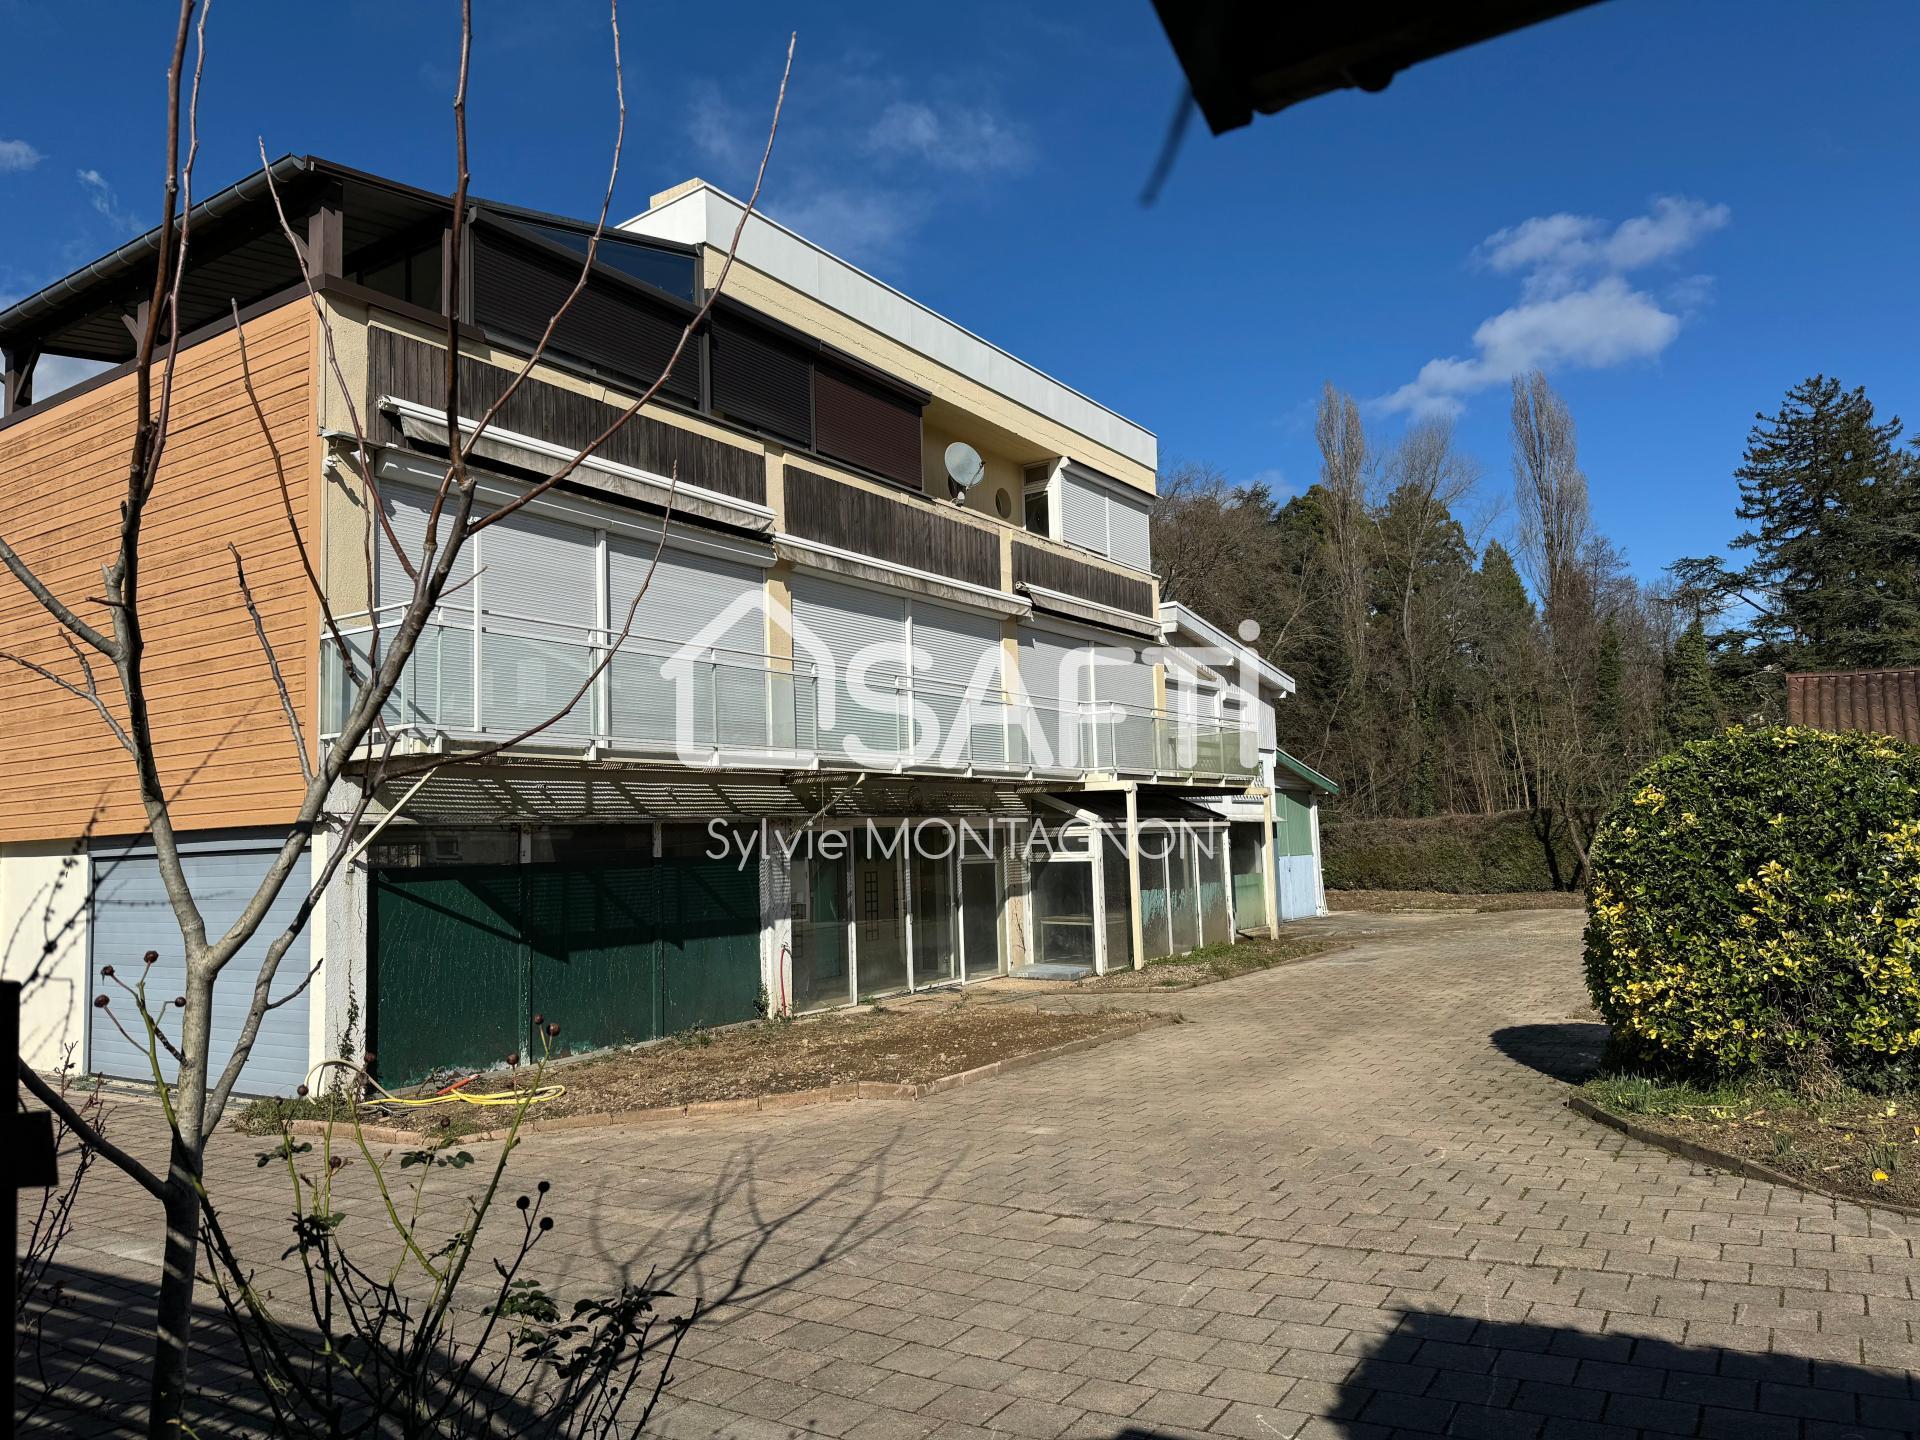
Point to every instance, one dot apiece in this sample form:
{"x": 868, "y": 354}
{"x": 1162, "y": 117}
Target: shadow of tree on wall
{"x": 1568, "y": 1051}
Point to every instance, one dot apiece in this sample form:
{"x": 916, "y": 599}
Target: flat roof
{"x": 699, "y": 213}
{"x": 1179, "y": 619}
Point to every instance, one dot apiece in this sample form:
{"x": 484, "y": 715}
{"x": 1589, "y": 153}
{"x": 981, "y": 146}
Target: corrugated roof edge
{"x": 1146, "y": 452}
{"x": 1306, "y": 772}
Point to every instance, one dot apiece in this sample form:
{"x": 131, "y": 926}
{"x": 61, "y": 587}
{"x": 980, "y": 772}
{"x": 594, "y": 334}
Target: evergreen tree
{"x": 1688, "y": 708}
{"x": 1829, "y": 497}
{"x": 1605, "y": 710}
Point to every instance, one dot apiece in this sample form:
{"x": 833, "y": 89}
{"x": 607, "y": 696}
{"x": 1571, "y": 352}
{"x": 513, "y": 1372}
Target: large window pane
{"x": 820, "y": 976}
{"x": 980, "y": 916}
{"x": 879, "y": 919}
{"x": 1249, "y": 895}
{"x": 934, "y": 950}
{"x": 1119, "y": 900}
{"x": 1183, "y": 899}
{"x": 1063, "y": 910}
{"x": 1216, "y": 916}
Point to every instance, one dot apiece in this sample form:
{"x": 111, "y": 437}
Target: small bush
{"x": 1455, "y": 854}
{"x": 1756, "y": 910}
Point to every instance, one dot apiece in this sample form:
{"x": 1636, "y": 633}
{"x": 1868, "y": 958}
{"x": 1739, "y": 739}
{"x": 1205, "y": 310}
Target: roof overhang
{"x": 1243, "y": 56}
{"x": 1177, "y": 621}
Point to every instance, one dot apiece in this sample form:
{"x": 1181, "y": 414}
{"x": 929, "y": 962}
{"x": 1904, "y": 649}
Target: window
{"x": 1097, "y": 514}
{"x": 667, "y": 270}
{"x": 1037, "y": 511}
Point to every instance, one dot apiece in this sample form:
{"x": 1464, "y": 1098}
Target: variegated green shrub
{"x": 1756, "y": 907}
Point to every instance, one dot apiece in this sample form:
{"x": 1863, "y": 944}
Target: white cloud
{"x": 17, "y": 155}
{"x": 1276, "y": 483}
{"x": 1577, "y": 307}
{"x": 966, "y": 140}
{"x": 106, "y": 202}
{"x": 868, "y": 227}
{"x": 717, "y": 130}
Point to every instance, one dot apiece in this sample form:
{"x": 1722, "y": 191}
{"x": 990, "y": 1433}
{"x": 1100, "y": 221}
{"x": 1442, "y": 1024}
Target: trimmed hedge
{"x": 1457, "y": 854}
{"x": 1756, "y": 908}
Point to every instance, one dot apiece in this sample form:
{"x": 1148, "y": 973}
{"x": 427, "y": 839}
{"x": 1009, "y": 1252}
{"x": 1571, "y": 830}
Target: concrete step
{"x": 1053, "y": 970}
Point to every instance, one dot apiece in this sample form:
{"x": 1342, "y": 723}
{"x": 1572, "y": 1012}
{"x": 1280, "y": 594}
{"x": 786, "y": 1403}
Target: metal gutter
{"x": 50, "y": 301}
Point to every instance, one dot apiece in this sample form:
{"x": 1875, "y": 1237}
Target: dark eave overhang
{"x": 1243, "y": 56}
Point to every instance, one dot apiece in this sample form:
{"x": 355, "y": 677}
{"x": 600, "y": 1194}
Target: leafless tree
{"x": 1550, "y": 494}
{"x": 195, "y": 1099}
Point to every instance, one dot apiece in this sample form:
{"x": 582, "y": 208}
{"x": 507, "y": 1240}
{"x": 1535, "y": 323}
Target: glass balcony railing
{"x": 486, "y": 677}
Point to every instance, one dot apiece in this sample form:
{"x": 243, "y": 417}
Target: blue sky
{"x": 1679, "y": 210}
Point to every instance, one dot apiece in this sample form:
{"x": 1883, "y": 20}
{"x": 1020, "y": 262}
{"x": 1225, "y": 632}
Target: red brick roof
{"x": 1885, "y": 701}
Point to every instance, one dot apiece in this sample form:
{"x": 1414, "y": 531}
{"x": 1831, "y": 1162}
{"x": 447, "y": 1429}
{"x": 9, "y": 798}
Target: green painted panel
{"x": 464, "y": 957}
{"x": 1292, "y": 823}
{"x": 449, "y": 964}
{"x": 594, "y": 963}
{"x": 709, "y": 943}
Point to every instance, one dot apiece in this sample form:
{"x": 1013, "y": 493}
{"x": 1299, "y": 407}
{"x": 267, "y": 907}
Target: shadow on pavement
{"x": 1441, "y": 1374}
{"x": 1569, "y": 1051}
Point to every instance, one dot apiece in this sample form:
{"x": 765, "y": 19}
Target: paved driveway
{"x": 1343, "y": 1198}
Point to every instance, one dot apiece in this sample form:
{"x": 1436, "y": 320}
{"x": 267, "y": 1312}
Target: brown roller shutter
{"x": 760, "y": 378}
{"x": 865, "y": 423}
{"x": 517, "y": 288}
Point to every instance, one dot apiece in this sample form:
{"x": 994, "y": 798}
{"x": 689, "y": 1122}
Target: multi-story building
{"x": 889, "y": 579}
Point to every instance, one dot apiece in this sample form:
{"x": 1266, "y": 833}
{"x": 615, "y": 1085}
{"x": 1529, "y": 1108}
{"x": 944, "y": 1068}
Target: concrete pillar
{"x": 1269, "y": 865}
{"x": 1133, "y": 876}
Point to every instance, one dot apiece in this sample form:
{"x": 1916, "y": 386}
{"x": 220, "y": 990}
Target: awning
{"x": 1090, "y": 612}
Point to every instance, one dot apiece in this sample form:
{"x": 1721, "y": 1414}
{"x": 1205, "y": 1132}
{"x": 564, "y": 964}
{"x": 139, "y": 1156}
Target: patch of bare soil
{"x": 1211, "y": 963}
{"x": 911, "y": 1044}
{"x": 1396, "y": 900}
{"x": 1866, "y": 1146}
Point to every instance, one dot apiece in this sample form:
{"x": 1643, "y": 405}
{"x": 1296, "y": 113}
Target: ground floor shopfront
{"x": 447, "y": 947}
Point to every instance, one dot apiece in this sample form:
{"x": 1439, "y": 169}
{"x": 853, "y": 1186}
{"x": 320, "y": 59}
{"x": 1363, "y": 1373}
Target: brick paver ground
{"x": 1344, "y": 1198}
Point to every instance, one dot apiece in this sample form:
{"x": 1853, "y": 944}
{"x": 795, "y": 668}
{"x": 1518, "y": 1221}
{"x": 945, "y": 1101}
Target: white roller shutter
{"x": 958, "y": 678}
{"x": 706, "y": 611}
{"x": 1128, "y": 532}
{"x": 131, "y": 915}
{"x": 843, "y": 626}
{"x": 437, "y": 688}
{"x": 1083, "y": 513}
{"x": 1054, "y": 671}
{"x": 539, "y": 603}
{"x": 1123, "y": 676}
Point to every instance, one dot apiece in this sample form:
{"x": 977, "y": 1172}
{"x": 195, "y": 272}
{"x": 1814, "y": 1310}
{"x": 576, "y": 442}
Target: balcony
{"x": 478, "y": 678}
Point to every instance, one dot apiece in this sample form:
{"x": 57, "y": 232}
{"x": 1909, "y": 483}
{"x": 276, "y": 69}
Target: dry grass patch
{"x": 911, "y": 1043}
{"x": 1856, "y": 1144}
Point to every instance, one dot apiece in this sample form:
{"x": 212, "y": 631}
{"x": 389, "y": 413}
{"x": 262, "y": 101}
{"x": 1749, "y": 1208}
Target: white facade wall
{"x": 43, "y": 926}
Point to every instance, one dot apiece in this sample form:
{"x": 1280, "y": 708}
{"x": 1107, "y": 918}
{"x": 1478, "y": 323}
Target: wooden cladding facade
{"x": 614, "y": 325}
{"x": 865, "y": 522}
{"x": 223, "y": 744}
{"x": 1053, "y": 571}
{"x": 412, "y": 369}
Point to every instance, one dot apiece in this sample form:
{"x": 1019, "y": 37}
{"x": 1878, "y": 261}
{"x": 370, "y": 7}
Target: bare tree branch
{"x": 273, "y": 665}
{"x": 691, "y": 328}
{"x": 52, "y": 604}
{"x": 89, "y": 1134}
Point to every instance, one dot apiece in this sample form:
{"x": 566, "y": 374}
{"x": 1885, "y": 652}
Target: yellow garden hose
{"x": 453, "y": 1095}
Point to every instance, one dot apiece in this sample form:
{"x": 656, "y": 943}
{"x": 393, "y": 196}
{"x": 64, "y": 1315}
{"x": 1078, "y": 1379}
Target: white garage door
{"x": 131, "y": 916}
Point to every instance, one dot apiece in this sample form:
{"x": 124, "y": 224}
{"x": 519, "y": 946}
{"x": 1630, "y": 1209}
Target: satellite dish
{"x": 964, "y": 466}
